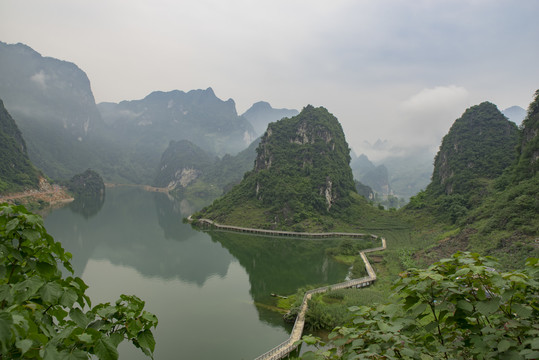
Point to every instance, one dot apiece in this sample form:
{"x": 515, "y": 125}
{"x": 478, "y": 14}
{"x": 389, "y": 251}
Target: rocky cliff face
{"x": 480, "y": 144}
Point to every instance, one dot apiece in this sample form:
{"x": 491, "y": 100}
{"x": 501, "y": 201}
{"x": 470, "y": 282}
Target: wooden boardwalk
{"x": 286, "y": 347}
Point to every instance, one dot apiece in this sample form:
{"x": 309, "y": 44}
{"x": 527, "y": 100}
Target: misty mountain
{"x": 409, "y": 173}
{"x": 260, "y": 114}
{"x": 53, "y": 105}
{"x": 515, "y": 113}
{"x": 199, "y": 116}
{"x": 375, "y": 177}
{"x": 144, "y": 128}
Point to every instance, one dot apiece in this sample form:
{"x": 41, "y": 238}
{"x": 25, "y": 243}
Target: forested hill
{"x": 301, "y": 177}
{"x": 16, "y": 170}
{"x": 485, "y": 187}
{"x": 480, "y": 144}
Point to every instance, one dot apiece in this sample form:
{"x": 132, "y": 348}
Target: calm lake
{"x": 208, "y": 289}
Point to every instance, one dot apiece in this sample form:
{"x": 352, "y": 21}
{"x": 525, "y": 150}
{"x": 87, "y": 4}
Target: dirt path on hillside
{"x": 52, "y": 194}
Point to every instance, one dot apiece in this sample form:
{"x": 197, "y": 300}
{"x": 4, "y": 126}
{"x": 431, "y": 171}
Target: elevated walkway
{"x": 286, "y": 347}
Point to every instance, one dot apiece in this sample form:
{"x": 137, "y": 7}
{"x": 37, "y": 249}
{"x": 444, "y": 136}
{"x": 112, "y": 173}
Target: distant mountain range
{"x": 66, "y": 132}
{"x": 261, "y": 114}
{"x": 515, "y": 113}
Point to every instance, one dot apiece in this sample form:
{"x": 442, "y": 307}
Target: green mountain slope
{"x": 479, "y": 145}
{"x": 495, "y": 211}
{"x": 16, "y": 171}
{"x": 301, "y": 179}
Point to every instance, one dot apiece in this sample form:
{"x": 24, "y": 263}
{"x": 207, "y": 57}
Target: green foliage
{"x": 528, "y": 149}
{"x": 480, "y": 144}
{"x": 44, "y": 315}
{"x": 87, "y": 184}
{"x": 458, "y": 308}
{"x": 16, "y": 171}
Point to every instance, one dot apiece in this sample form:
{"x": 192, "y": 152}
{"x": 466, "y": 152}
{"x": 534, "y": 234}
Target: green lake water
{"x": 203, "y": 287}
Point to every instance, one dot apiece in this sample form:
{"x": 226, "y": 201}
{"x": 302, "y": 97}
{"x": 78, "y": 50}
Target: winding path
{"x": 286, "y": 347}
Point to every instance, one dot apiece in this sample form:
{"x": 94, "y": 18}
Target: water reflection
{"x": 200, "y": 285}
{"x": 282, "y": 265}
{"x": 129, "y": 231}
{"x": 87, "y": 206}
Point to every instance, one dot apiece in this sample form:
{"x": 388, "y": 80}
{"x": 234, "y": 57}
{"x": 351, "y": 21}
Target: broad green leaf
{"x": 45, "y": 269}
{"x": 24, "y": 345}
{"x": 79, "y": 317}
{"x": 106, "y": 311}
{"x": 116, "y": 339}
{"x": 85, "y": 338}
{"x": 531, "y": 355}
{"x": 5, "y": 293}
{"x": 146, "y": 340}
{"x": 31, "y": 234}
{"x": 5, "y": 327}
{"x": 68, "y": 298}
{"x": 11, "y": 225}
{"x": 51, "y": 353}
{"x": 523, "y": 311}
{"x": 75, "y": 355}
{"x": 465, "y": 305}
{"x": 150, "y": 317}
{"x": 488, "y": 307}
{"x": 51, "y": 292}
{"x": 133, "y": 327}
{"x": 503, "y": 345}
{"x": 105, "y": 349}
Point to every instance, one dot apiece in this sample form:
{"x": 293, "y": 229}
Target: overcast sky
{"x": 396, "y": 70}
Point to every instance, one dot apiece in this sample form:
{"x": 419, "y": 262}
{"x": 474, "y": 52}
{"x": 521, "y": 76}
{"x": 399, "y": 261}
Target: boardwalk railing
{"x": 286, "y": 347}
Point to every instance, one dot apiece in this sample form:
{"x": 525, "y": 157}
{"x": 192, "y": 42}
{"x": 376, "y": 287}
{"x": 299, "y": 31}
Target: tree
{"x": 44, "y": 315}
{"x": 458, "y": 308}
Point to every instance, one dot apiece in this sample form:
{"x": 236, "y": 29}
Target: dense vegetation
{"x": 44, "y": 315}
{"x": 458, "y": 308}
{"x": 479, "y": 145}
{"x": 301, "y": 177}
{"x": 502, "y": 220}
{"x": 497, "y": 216}
{"x": 87, "y": 184}
{"x": 18, "y": 173}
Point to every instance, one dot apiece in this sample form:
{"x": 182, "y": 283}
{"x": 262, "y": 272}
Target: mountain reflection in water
{"x": 200, "y": 285}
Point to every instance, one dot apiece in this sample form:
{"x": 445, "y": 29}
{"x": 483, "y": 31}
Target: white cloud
{"x": 40, "y": 79}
